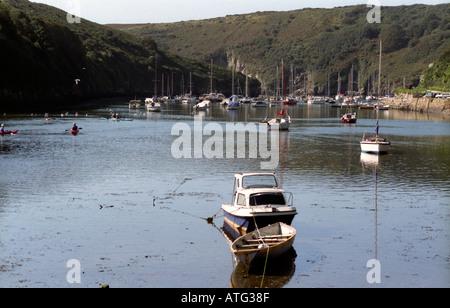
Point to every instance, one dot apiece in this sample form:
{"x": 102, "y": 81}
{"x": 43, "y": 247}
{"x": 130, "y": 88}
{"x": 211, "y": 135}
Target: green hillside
{"x": 316, "y": 42}
{"x": 48, "y": 61}
{"x": 438, "y": 74}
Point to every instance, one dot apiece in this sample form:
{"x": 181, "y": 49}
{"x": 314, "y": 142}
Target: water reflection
{"x": 371, "y": 161}
{"x": 275, "y": 274}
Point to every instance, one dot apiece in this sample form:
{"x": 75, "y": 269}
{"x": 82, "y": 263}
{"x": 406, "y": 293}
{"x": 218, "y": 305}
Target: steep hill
{"x": 316, "y": 42}
{"x": 438, "y": 74}
{"x": 48, "y": 61}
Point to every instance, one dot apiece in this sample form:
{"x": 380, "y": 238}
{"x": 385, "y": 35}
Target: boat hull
{"x": 9, "y": 132}
{"x": 374, "y": 147}
{"x": 280, "y": 124}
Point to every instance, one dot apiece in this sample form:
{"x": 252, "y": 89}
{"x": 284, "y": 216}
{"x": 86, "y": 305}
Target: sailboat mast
{"x": 246, "y": 84}
{"x": 190, "y": 84}
{"x": 339, "y": 84}
{"x": 284, "y": 81}
{"x": 232, "y": 79}
{"x": 156, "y": 77}
{"x": 211, "y": 78}
{"x": 379, "y": 72}
{"x": 379, "y": 89}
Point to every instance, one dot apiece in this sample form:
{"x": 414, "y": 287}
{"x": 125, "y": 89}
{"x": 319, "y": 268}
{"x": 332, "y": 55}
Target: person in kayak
{"x": 2, "y": 128}
{"x": 75, "y": 127}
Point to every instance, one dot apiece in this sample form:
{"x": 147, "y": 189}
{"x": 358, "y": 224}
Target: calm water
{"x": 116, "y": 199}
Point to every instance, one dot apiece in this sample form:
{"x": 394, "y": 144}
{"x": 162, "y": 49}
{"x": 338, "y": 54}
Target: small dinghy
{"x": 271, "y": 241}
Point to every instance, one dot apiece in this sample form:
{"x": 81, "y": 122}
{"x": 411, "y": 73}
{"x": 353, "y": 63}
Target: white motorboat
{"x": 152, "y": 105}
{"x": 188, "y": 100}
{"x": 258, "y": 201}
{"x": 316, "y": 100}
{"x": 349, "y": 117}
{"x": 203, "y": 105}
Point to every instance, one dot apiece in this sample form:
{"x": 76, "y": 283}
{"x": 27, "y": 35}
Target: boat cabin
{"x": 259, "y": 189}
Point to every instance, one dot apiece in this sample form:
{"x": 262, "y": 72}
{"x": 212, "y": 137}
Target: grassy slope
{"x": 314, "y": 41}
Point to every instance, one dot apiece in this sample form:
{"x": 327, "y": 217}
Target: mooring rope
{"x": 267, "y": 254}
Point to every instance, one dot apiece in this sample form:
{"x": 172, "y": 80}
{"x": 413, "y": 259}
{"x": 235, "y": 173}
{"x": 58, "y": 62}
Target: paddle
{"x": 71, "y": 129}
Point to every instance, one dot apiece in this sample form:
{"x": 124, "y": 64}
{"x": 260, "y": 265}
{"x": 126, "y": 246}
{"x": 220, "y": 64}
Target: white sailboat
{"x": 282, "y": 121}
{"x": 376, "y": 144}
{"x": 152, "y": 104}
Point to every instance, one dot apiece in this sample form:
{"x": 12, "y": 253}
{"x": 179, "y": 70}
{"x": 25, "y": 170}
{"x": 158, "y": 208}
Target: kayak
{"x": 8, "y": 132}
{"x": 74, "y": 132}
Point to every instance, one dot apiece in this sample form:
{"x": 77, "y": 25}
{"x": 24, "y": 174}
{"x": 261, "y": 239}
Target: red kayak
{"x": 8, "y": 132}
{"x": 74, "y": 132}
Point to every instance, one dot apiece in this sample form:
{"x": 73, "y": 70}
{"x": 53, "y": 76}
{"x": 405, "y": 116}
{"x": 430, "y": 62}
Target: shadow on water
{"x": 275, "y": 274}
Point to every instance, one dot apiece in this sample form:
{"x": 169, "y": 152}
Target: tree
{"x": 394, "y": 38}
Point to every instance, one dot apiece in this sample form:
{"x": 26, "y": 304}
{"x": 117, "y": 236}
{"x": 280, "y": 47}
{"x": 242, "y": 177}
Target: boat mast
{"x": 246, "y": 84}
{"x": 379, "y": 89}
{"x": 232, "y": 79}
{"x": 339, "y": 84}
{"x": 211, "y": 78}
{"x": 351, "y": 84}
{"x": 190, "y": 84}
{"x": 277, "y": 94}
{"x": 379, "y": 72}
{"x": 284, "y": 105}
{"x": 156, "y": 78}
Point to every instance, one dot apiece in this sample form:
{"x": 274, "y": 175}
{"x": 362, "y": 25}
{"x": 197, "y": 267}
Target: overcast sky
{"x": 157, "y": 11}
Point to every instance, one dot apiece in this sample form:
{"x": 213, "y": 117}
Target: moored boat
{"x": 203, "y": 105}
{"x": 269, "y": 242}
{"x": 375, "y": 144}
{"x": 282, "y": 121}
{"x": 234, "y": 105}
{"x": 152, "y": 104}
{"x": 348, "y": 118}
{"x": 258, "y": 200}
{"x": 316, "y": 100}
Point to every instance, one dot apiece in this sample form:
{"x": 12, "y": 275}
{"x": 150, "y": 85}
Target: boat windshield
{"x": 256, "y": 181}
{"x": 269, "y": 198}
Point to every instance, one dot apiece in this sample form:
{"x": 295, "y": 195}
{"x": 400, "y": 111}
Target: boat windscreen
{"x": 265, "y": 199}
{"x": 255, "y": 181}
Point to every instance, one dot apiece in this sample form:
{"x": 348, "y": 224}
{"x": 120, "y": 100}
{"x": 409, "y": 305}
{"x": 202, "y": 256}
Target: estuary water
{"x": 117, "y": 201}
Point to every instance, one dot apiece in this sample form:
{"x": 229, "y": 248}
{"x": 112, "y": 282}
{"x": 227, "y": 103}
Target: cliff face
{"x": 421, "y": 104}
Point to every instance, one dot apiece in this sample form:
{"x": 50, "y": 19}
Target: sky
{"x": 161, "y": 11}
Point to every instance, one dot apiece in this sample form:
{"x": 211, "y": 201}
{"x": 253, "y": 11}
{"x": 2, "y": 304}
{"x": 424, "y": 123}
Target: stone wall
{"x": 421, "y": 104}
